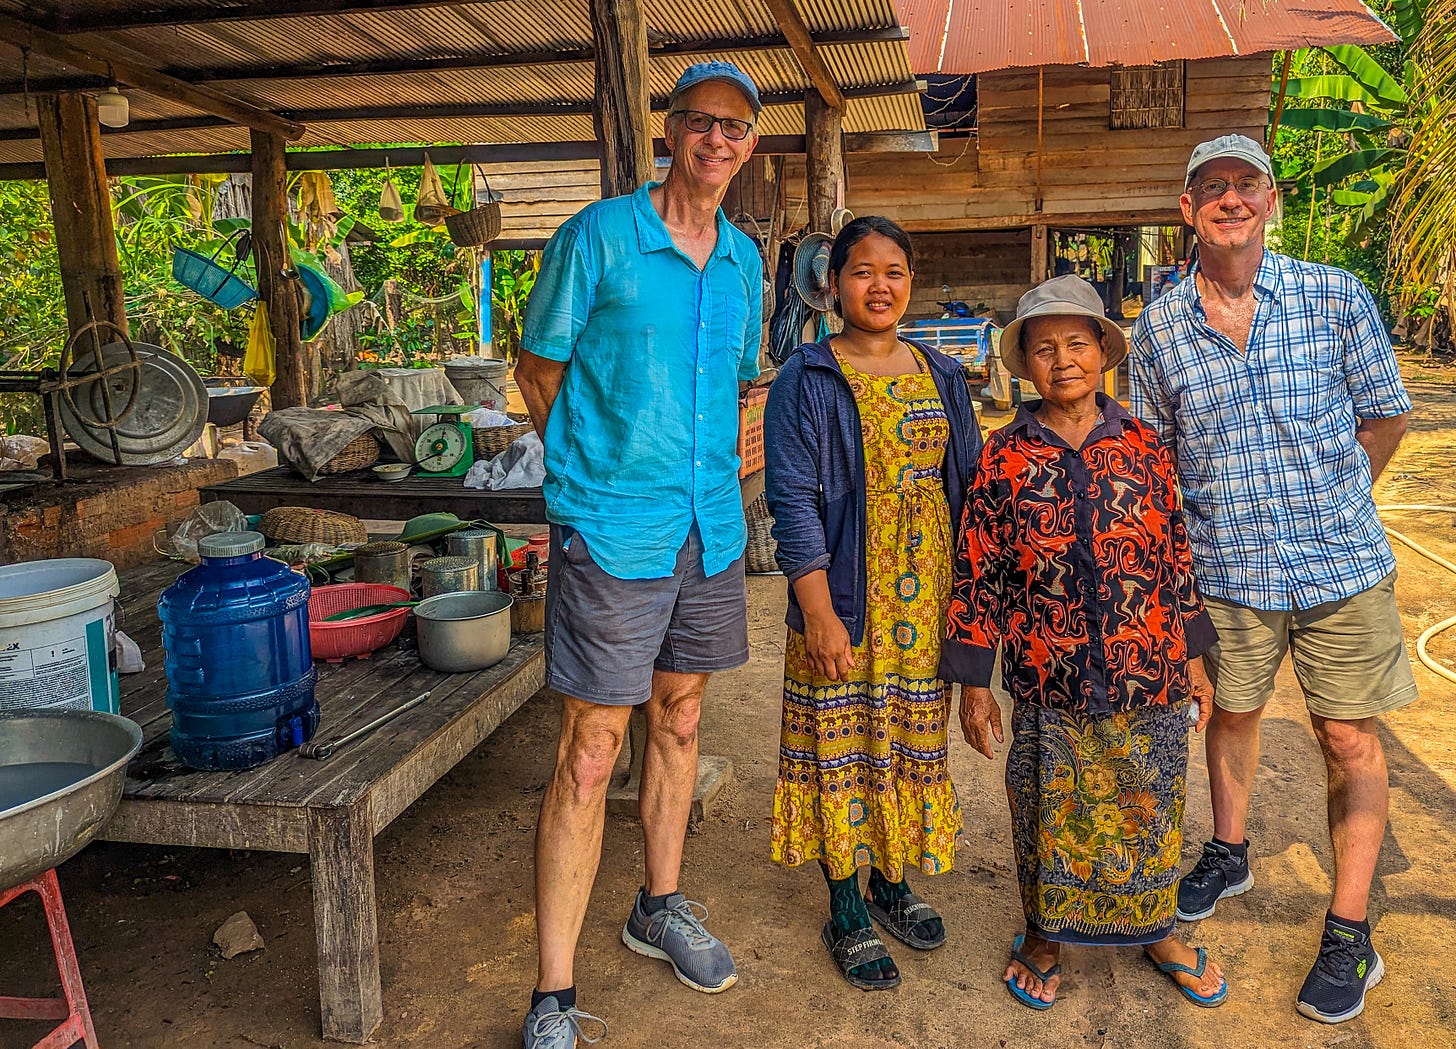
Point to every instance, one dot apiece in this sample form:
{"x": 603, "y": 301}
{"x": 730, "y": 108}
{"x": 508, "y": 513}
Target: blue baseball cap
{"x": 724, "y": 71}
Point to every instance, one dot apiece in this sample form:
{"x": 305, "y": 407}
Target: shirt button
{"x": 697, "y": 462}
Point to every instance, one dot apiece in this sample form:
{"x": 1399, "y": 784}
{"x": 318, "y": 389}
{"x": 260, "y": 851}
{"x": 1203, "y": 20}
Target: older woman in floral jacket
{"x": 1075, "y": 560}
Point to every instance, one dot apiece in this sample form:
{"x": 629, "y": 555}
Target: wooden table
{"x": 362, "y": 494}
{"x": 330, "y": 810}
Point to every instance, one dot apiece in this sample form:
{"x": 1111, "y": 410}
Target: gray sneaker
{"x": 676, "y": 935}
{"x": 548, "y": 1026}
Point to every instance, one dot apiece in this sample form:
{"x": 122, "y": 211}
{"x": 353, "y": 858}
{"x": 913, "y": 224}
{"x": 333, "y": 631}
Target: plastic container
{"x": 750, "y": 430}
{"x": 478, "y": 380}
{"x": 240, "y": 676}
{"x": 57, "y": 625}
{"x": 336, "y": 642}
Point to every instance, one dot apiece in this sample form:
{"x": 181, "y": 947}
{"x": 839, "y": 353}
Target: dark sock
{"x": 653, "y": 904}
{"x": 847, "y": 913}
{"x": 1363, "y": 928}
{"x": 885, "y": 892}
{"x": 1240, "y": 851}
{"x": 564, "y": 999}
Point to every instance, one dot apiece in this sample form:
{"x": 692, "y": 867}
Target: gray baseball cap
{"x": 1237, "y": 147}
{"x": 1065, "y": 296}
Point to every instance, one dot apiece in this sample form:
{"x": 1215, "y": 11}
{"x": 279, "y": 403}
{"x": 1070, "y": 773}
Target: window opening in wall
{"x": 1146, "y": 96}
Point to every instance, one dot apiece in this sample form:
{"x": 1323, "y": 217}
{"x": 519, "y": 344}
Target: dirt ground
{"x": 455, "y": 907}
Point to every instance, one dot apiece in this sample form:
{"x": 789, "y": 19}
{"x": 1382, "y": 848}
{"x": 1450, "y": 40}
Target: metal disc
{"x": 170, "y": 410}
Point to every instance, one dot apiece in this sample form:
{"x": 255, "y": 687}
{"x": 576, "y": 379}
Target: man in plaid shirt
{"x": 1274, "y": 381}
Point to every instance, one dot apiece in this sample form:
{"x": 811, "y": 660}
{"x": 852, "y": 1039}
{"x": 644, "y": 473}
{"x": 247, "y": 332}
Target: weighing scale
{"x": 447, "y": 448}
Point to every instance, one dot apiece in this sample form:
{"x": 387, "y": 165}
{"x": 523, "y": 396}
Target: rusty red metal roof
{"x": 959, "y": 37}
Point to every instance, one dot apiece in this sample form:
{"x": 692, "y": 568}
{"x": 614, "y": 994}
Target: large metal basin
{"x": 61, "y": 774}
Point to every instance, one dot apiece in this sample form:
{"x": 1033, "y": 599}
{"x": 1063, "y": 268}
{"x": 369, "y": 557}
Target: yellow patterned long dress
{"x": 862, "y": 763}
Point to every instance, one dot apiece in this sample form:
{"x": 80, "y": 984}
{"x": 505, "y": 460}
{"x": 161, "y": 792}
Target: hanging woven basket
{"x": 479, "y": 225}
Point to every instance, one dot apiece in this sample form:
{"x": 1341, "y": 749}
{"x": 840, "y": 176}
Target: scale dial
{"x": 440, "y": 448}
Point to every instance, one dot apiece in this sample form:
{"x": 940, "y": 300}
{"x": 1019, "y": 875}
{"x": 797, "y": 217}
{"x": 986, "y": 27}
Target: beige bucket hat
{"x": 1065, "y": 296}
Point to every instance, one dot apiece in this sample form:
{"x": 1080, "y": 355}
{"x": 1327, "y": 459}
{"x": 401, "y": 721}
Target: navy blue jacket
{"x": 815, "y": 472}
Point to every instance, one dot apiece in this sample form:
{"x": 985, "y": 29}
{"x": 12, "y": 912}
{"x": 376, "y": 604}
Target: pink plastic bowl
{"x": 336, "y": 642}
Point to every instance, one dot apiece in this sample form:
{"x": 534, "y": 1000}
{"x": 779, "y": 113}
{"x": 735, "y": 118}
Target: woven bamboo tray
{"x": 304, "y": 524}
{"x": 362, "y": 451}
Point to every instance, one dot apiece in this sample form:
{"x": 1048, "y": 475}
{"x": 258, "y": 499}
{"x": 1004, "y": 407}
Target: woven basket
{"x": 759, "y": 557}
{"x": 480, "y": 225}
{"x": 304, "y": 524}
{"x": 492, "y": 440}
{"x": 362, "y": 451}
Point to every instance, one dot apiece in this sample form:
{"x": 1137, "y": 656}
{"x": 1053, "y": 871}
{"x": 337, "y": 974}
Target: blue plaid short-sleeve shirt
{"x": 1276, "y": 489}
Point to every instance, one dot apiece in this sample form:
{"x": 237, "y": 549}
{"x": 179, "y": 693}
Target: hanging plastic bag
{"x": 260, "y": 360}
{"x": 431, "y": 205}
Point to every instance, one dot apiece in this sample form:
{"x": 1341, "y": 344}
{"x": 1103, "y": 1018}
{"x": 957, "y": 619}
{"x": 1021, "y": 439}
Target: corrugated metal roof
{"x": 961, "y": 37}
{"x": 296, "y": 65}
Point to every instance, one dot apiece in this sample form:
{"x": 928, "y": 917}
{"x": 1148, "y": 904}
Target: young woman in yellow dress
{"x": 870, "y": 441}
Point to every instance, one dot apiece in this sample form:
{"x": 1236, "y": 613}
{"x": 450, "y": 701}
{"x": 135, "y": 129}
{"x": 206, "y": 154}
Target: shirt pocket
{"x": 1307, "y": 378}
{"x": 731, "y": 319}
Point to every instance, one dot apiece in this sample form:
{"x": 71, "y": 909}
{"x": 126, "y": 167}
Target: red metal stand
{"x": 71, "y": 1009}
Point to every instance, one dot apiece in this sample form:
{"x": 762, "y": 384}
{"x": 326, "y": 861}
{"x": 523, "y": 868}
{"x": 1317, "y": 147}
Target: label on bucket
{"x": 67, "y": 673}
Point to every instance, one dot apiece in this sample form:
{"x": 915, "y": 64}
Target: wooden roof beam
{"x": 414, "y": 156}
{"x": 100, "y": 62}
{"x": 397, "y": 66}
{"x": 797, "y": 34}
{"x": 460, "y": 111}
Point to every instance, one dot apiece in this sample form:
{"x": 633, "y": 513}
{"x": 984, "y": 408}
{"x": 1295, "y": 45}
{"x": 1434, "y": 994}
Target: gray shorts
{"x": 605, "y": 636}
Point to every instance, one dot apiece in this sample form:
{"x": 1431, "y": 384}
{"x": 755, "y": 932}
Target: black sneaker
{"x": 1218, "y": 873}
{"x": 1347, "y": 967}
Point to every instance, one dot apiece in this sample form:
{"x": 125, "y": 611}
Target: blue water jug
{"x": 240, "y": 675}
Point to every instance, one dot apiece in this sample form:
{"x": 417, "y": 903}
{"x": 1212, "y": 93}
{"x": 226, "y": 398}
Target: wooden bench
{"x": 330, "y": 810}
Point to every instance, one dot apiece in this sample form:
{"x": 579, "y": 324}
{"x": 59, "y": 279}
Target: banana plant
{"x": 1366, "y": 110}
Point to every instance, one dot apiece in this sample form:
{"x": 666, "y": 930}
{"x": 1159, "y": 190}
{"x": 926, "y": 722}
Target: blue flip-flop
{"x": 1018, "y": 993}
{"x": 1211, "y": 1001}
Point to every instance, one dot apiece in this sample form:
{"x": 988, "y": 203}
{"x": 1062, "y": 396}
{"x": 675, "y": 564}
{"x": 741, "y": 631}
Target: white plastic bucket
{"x": 478, "y": 380}
{"x": 57, "y": 631}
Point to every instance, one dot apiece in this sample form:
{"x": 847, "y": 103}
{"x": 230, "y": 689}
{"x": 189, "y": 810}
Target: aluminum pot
{"x": 467, "y": 631}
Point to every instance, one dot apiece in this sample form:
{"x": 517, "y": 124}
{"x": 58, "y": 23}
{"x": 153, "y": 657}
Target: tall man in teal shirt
{"x": 645, "y": 318}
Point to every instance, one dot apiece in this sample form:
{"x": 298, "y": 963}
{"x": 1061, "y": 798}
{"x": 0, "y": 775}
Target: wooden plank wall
{"x": 988, "y": 267}
{"x": 539, "y": 196}
{"x": 1090, "y": 175}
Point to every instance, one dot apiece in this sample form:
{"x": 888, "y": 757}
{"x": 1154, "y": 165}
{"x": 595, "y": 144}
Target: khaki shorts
{"x": 1349, "y": 656}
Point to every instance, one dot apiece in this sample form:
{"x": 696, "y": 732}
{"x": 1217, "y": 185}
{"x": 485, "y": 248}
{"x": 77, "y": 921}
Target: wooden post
{"x": 270, "y": 251}
{"x": 1040, "y": 259}
{"x": 81, "y": 208}
{"x": 823, "y": 159}
{"x": 341, "y": 867}
{"x": 622, "y": 110}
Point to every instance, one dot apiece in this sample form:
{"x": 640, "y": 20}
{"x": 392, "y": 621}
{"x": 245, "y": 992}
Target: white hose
{"x": 1445, "y": 624}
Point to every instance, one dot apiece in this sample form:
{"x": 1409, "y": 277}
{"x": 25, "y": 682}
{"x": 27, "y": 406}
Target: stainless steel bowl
{"x": 61, "y": 774}
{"x": 463, "y": 632}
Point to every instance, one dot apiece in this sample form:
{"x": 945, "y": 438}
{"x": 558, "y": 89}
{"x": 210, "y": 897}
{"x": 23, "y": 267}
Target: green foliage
{"x": 512, "y": 276}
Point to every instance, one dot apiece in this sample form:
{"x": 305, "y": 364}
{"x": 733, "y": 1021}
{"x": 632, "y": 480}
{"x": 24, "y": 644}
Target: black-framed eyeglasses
{"x": 1250, "y": 187}
{"x": 701, "y": 123}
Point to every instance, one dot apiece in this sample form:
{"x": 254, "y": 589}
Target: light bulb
{"x": 112, "y": 108}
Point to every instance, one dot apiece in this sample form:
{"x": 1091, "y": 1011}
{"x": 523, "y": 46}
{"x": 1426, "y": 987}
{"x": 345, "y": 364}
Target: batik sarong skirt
{"x": 1097, "y": 821}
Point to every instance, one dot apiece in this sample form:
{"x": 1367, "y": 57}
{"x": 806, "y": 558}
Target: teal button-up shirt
{"x": 642, "y": 439}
